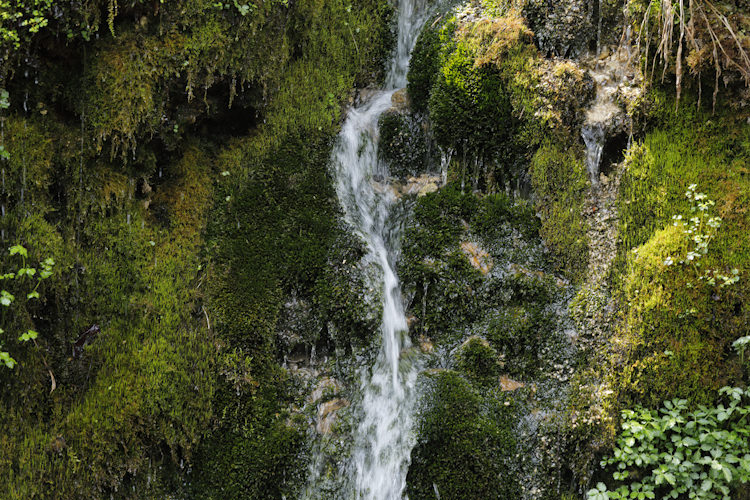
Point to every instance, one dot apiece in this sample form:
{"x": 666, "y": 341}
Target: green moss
{"x": 424, "y": 64}
{"x": 677, "y": 329}
{"x": 559, "y": 179}
{"x": 520, "y": 334}
{"x": 185, "y": 325}
{"x": 478, "y": 360}
{"x": 444, "y": 281}
{"x": 464, "y": 443}
{"x": 492, "y": 104}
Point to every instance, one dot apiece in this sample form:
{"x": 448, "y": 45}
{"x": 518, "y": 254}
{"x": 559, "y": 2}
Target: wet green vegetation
{"x": 172, "y": 158}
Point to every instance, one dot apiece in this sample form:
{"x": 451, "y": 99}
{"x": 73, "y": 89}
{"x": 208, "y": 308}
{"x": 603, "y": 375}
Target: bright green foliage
{"x": 23, "y": 281}
{"x": 702, "y": 228}
{"x": 740, "y": 345}
{"x": 476, "y": 98}
{"x": 679, "y": 327}
{"x": 28, "y": 15}
{"x": 464, "y": 442}
{"x": 682, "y": 453}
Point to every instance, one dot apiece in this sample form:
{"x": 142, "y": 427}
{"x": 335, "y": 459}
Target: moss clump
{"x": 464, "y": 443}
{"x": 478, "y": 360}
{"x": 677, "y": 328}
{"x": 520, "y": 334}
{"x": 424, "y": 64}
{"x": 559, "y": 179}
{"x": 445, "y": 283}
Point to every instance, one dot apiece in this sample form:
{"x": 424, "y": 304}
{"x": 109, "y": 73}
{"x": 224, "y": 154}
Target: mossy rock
{"x": 520, "y": 334}
{"x": 677, "y": 328}
{"x": 424, "y": 64}
{"x": 478, "y": 360}
{"x": 404, "y": 145}
{"x": 464, "y": 443}
{"x": 559, "y": 179}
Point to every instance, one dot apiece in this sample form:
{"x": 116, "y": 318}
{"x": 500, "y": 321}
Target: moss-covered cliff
{"x": 172, "y": 159}
{"x": 174, "y": 165}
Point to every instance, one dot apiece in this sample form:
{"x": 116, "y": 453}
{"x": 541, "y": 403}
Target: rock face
{"x": 508, "y": 385}
{"x": 561, "y": 28}
{"x": 327, "y": 385}
{"x": 400, "y": 101}
{"x": 478, "y": 258}
{"x": 420, "y": 186}
{"x": 327, "y": 414}
{"x": 618, "y": 86}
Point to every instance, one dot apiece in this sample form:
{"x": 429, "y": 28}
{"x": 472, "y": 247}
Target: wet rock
{"x": 617, "y": 92}
{"x": 400, "y": 101}
{"x": 561, "y": 28}
{"x": 365, "y": 95}
{"x": 327, "y": 386}
{"x": 297, "y": 329}
{"x": 478, "y": 258}
{"x": 507, "y": 384}
{"x": 425, "y": 345}
{"x": 427, "y": 188}
{"x": 327, "y": 414}
{"x": 422, "y": 185}
{"x": 85, "y": 339}
{"x": 410, "y": 321}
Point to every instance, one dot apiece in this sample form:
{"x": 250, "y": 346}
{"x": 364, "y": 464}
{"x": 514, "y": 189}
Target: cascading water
{"x": 383, "y": 439}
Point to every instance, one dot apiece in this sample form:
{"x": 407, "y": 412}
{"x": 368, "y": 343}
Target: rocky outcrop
{"x": 561, "y": 28}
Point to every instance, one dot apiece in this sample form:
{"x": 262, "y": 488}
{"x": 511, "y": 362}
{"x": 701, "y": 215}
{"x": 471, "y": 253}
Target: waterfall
{"x": 593, "y": 134}
{"x": 602, "y": 118}
{"x": 383, "y": 438}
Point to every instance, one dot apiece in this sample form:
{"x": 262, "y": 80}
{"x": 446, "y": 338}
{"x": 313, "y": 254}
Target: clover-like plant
{"x": 677, "y": 452}
{"x": 31, "y": 277}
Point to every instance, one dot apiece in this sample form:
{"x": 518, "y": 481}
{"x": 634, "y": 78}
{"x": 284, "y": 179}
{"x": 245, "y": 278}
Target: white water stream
{"x": 383, "y": 439}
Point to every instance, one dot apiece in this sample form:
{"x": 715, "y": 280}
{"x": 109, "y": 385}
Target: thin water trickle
{"x": 593, "y": 135}
{"x": 383, "y": 438}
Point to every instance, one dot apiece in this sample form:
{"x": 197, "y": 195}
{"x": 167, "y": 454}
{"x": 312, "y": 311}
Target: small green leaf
{"x": 7, "y": 360}
{"x": 29, "y": 335}
{"x": 18, "y": 249}
{"x": 6, "y": 298}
